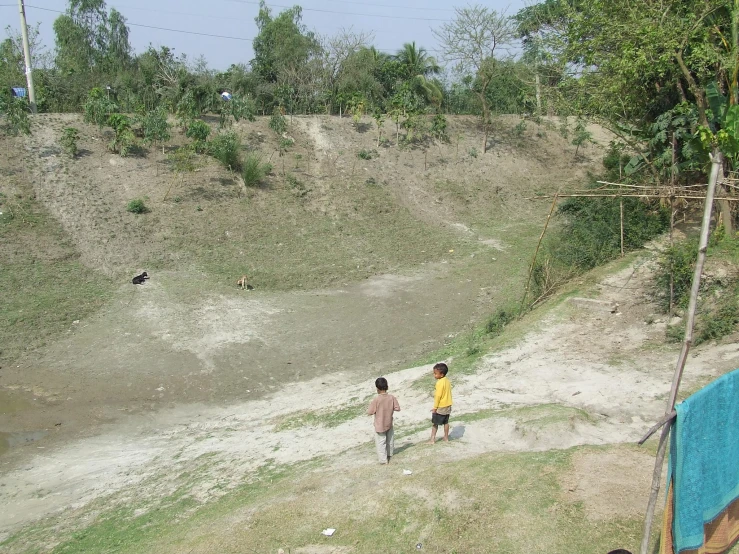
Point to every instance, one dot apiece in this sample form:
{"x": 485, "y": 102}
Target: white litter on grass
{"x": 328, "y": 532}
{"x": 407, "y": 472}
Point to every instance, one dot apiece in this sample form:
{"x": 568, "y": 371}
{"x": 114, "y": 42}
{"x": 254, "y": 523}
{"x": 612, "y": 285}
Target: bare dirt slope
{"x": 363, "y": 264}
{"x": 582, "y": 375}
{"x": 361, "y": 267}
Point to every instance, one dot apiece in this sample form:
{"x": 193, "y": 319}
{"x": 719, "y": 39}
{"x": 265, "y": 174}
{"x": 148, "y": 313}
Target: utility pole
{"x": 27, "y": 56}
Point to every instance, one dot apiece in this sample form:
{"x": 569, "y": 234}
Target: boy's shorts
{"x": 441, "y": 417}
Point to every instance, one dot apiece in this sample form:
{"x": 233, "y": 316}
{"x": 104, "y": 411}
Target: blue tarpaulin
{"x": 19, "y": 92}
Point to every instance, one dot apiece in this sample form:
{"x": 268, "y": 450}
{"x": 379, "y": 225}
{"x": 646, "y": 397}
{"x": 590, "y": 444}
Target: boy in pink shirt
{"x": 382, "y": 407}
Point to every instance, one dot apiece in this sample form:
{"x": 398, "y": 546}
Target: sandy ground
{"x": 612, "y": 366}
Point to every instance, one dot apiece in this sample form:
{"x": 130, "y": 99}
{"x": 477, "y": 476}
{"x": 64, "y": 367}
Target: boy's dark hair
{"x": 441, "y": 368}
{"x": 381, "y": 383}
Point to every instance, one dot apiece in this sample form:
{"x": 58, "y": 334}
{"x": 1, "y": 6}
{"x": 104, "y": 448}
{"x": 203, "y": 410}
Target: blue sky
{"x": 393, "y": 22}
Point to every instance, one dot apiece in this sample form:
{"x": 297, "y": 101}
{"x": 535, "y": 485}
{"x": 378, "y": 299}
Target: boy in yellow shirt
{"x": 442, "y": 402}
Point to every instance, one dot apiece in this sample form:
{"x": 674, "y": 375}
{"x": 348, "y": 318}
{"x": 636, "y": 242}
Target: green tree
{"x": 658, "y": 56}
{"x": 418, "y": 68}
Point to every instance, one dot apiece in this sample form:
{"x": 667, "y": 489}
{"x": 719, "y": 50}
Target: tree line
{"x": 661, "y": 75}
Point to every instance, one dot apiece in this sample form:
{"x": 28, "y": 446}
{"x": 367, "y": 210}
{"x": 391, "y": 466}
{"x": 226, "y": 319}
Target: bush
{"x": 721, "y": 321}
{"x": 366, "y": 154}
{"x": 124, "y": 141}
{"x": 98, "y": 107}
{"x": 16, "y": 111}
{"x": 69, "y": 139}
{"x": 497, "y": 322}
{"x": 199, "y": 131}
{"x": 254, "y": 170}
{"x": 277, "y": 122}
{"x": 439, "y": 128}
{"x": 591, "y": 234}
{"x": 137, "y": 206}
{"x": 679, "y": 261}
{"x": 226, "y": 148}
{"x": 155, "y": 126}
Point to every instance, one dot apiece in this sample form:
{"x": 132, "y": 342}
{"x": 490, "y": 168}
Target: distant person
{"x": 382, "y": 407}
{"x": 442, "y": 402}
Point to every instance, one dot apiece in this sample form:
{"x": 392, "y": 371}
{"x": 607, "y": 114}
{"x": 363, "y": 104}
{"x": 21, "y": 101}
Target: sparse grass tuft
{"x": 137, "y": 206}
{"x": 255, "y": 170}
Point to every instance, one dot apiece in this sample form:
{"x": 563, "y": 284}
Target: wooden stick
{"x": 716, "y": 165}
{"x": 536, "y": 253}
{"x": 622, "y": 227}
{"x": 729, "y": 198}
{"x": 666, "y": 419}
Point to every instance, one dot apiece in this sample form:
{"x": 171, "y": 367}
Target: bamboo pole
{"x": 616, "y": 195}
{"x": 622, "y": 227}
{"x": 672, "y": 270}
{"x": 536, "y": 253}
{"x": 716, "y": 165}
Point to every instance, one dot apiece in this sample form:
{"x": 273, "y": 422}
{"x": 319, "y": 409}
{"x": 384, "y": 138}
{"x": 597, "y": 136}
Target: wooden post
{"x": 672, "y": 269}
{"x": 536, "y": 253}
{"x": 622, "y": 227}
{"x": 716, "y": 165}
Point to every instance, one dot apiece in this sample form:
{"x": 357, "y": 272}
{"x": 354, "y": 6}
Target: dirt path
{"x": 585, "y": 375}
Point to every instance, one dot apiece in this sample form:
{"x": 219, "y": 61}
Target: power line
{"x": 394, "y": 7}
{"x": 159, "y": 28}
{"x": 341, "y": 13}
{"x": 212, "y": 35}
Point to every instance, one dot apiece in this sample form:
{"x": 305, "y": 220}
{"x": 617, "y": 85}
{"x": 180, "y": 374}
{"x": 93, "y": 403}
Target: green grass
{"x": 43, "y": 285}
{"x": 324, "y": 418}
{"x": 511, "y": 503}
{"x": 285, "y": 246}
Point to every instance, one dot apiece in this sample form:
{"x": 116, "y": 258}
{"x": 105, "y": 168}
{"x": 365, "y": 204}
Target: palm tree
{"x": 417, "y": 61}
{"x": 419, "y": 67}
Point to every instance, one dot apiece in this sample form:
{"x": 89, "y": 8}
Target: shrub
{"x": 199, "y": 131}
{"x": 16, "y": 111}
{"x": 721, "y": 321}
{"x": 98, "y": 107}
{"x": 124, "y": 141}
{"x": 69, "y": 139}
{"x": 591, "y": 234}
{"x": 497, "y": 322}
{"x": 226, "y": 148}
{"x": 679, "y": 261}
{"x": 366, "y": 154}
{"x": 155, "y": 126}
{"x": 277, "y": 122}
{"x": 137, "y": 206}
{"x": 255, "y": 170}
{"x": 582, "y": 136}
{"x": 439, "y": 128}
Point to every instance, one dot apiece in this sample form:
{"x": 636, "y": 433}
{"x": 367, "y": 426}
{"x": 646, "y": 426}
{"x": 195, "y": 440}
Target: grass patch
{"x": 300, "y": 249}
{"x": 510, "y": 503}
{"x": 324, "y": 418}
{"x": 43, "y": 285}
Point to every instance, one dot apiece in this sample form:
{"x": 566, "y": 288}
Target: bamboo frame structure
{"x": 689, "y": 192}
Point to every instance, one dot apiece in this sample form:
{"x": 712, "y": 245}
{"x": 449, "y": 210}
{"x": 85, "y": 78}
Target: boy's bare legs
{"x": 446, "y": 432}
{"x": 434, "y": 428}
